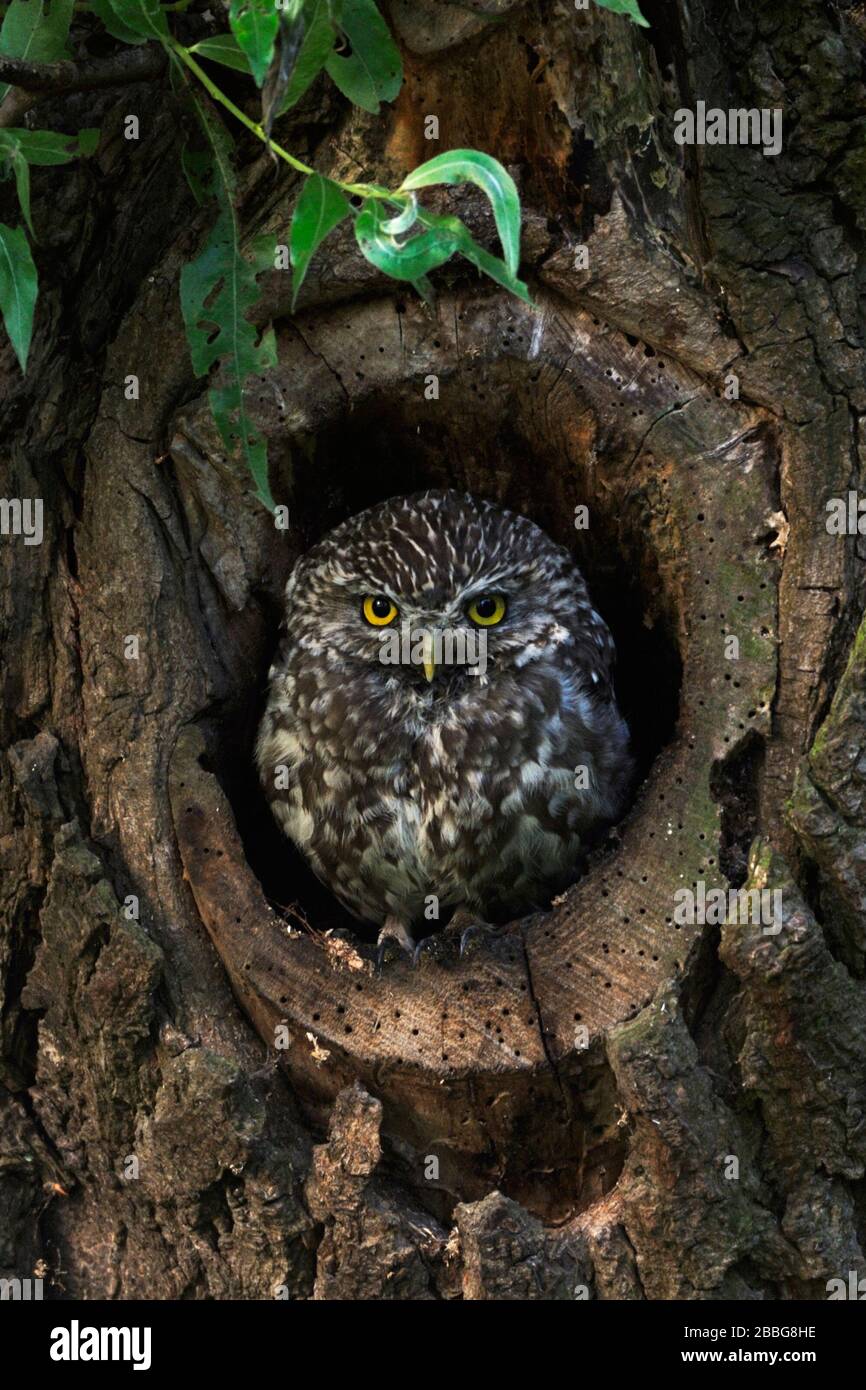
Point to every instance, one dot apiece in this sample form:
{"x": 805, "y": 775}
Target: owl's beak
{"x": 429, "y": 655}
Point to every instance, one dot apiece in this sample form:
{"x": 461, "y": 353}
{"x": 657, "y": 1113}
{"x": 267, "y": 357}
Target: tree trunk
{"x": 209, "y": 1093}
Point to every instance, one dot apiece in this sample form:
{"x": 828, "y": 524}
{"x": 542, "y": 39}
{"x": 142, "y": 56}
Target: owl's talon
{"x": 394, "y": 934}
{"x": 390, "y": 950}
{"x": 476, "y": 933}
{"x": 429, "y": 948}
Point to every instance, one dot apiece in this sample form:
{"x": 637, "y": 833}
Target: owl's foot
{"x": 394, "y": 937}
{"x": 433, "y": 947}
{"x": 474, "y": 936}
{"x": 470, "y": 930}
{"x": 444, "y": 947}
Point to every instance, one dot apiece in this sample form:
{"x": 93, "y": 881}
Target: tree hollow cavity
{"x": 546, "y": 411}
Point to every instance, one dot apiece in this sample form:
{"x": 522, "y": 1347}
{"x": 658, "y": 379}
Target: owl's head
{"x": 447, "y": 583}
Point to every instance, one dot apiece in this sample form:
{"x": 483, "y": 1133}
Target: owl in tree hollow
{"x": 441, "y": 723}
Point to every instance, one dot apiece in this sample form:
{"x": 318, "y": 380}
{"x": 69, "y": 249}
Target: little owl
{"x": 441, "y": 726}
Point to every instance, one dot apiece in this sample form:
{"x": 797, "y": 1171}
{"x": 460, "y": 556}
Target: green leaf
{"x": 491, "y": 265}
{"x": 321, "y": 206}
{"x": 225, "y": 49}
{"x": 424, "y": 289}
{"x": 34, "y": 31}
{"x": 116, "y": 28}
{"x": 407, "y": 260}
{"x": 629, "y": 7}
{"x": 414, "y": 258}
{"x": 290, "y": 36}
{"x": 88, "y": 139}
{"x": 135, "y": 20}
{"x": 354, "y": 82}
{"x": 196, "y": 165}
{"x": 254, "y": 24}
{"x": 312, "y": 55}
{"x": 373, "y": 71}
{"x": 22, "y": 183}
{"x": 25, "y": 147}
{"x": 404, "y": 220}
{"x": 18, "y": 286}
{"x": 471, "y": 166}
{"x": 47, "y": 146}
{"x": 217, "y": 291}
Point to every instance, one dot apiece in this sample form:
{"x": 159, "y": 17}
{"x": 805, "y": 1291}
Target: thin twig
{"x": 363, "y": 190}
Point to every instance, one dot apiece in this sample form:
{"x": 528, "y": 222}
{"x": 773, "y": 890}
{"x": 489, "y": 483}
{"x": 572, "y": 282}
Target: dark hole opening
{"x": 483, "y": 436}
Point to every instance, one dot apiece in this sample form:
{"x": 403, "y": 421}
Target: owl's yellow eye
{"x": 379, "y": 610}
{"x": 488, "y": 610}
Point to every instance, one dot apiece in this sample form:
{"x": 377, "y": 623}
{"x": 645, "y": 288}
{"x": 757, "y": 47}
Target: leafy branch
{"x": 282, "y": 46}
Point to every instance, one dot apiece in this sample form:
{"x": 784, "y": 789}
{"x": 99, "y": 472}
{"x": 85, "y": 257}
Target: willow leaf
{"x": 33, "y": 31}
{"x": 217, "y": 292}
{"x": 18, "y": 287}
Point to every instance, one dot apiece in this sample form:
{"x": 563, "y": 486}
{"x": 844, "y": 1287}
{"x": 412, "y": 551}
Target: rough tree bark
{"x": 585, "y": 1083}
